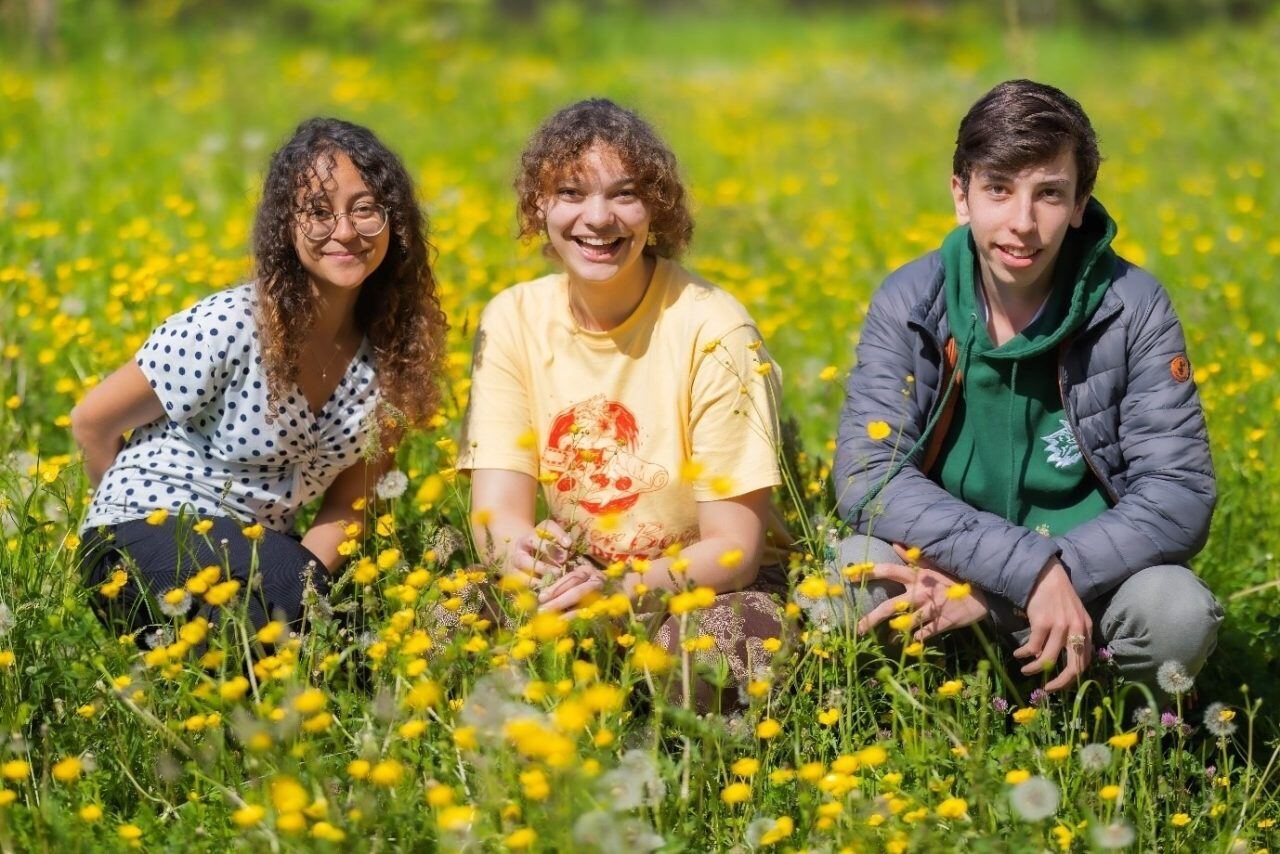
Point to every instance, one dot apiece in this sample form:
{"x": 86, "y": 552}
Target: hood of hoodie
{"x": 1081, "y": 276}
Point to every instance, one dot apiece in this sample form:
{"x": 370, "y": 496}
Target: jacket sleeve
{"x": 979, "y": 547}
{"x": 1163, "y": 516}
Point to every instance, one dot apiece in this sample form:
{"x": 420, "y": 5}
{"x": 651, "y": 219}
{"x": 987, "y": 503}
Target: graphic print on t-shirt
{"x": 591, "y": 449}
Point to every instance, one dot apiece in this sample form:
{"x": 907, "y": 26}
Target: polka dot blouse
{"x": 214, "y": 452}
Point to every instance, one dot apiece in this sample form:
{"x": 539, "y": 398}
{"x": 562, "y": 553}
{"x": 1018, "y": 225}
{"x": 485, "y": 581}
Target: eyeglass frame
{"x": 386, "y": 220}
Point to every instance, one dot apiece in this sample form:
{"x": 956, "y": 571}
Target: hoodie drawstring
{"x": 1008, "y": 426}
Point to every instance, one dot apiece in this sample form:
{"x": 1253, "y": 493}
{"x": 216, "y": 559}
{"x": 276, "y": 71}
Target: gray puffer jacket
{"x": 1129, "y": 396}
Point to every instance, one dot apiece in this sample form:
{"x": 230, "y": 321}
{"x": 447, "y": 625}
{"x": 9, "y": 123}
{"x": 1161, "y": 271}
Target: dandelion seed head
{"x": 1173, "y": 678}
{"x": 609, "y": 834}
{"x": 1119, "y": 834}
{"x": 1095, "y": 757}
{"x": 1035, "y": 798}
{"x": 392, "y": 485}
{"x": 1219, "y": 719}
{"x": 157, "y": 638}
{"x": 181, "y": 604}
{"x": 636, "y": 782}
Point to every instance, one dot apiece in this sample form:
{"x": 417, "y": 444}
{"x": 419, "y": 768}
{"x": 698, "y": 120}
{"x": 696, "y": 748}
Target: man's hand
{"x": 571, "y": 588}
{"x": 939, "y": 604}
{"x": 1058, "y": 620}
{"x": 543, "y": 551}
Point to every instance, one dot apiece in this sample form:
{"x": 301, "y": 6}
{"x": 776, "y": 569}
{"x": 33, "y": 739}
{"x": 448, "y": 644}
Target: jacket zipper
{"x": 1075, "y": 431}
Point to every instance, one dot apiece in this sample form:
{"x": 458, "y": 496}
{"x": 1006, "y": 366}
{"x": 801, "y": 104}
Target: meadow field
{"x": 817, "y": 147}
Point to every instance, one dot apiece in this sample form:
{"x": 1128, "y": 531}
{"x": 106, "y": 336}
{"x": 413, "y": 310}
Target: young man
{"x": 1053, "y": 452}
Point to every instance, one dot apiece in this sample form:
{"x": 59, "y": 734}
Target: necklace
{"x": 324, "y": 370}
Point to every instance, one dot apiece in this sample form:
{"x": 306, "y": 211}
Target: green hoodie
{"x": 1009, "y": 449}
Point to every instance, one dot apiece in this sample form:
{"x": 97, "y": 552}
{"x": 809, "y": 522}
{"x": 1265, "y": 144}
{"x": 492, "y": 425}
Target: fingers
{"x": 1034, "y": 643}
{"x": 1078, "y": 657}
{"x": 553, "y": 533}
{"x": 1048, "y": 657}
{"x": 574, "y": 594}
{"x": 881, "y": 612}
{"x": 920, "y": 560}
{"x": 526, "y": 562}
{"x": 904, "y": 575}
{"x": 934, "y": 627}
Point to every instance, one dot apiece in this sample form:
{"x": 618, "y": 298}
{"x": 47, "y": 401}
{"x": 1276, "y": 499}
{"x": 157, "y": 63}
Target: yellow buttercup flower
{"x": 878, "y": 431}
{"x": 1124, "y": 740}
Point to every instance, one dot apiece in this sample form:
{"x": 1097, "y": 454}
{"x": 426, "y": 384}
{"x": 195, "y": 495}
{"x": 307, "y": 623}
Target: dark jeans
{"x": 168, "y": 555}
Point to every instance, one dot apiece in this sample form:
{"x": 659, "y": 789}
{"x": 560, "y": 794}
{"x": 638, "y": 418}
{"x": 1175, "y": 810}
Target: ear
{"x": 1077, "y": 215}
{"x": 961, "y": 200}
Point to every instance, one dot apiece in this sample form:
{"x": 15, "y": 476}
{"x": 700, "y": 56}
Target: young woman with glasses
{"x": 262, "y": 397}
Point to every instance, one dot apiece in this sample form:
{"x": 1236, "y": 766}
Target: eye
{"x": 1052, "y": 193}
{"x": 999, "y": 190}
{"x": 319, "y": 213}
{"x": 568, "y": 193}
{"x": 627, "y": 193}
{"x": 362, "y": 210}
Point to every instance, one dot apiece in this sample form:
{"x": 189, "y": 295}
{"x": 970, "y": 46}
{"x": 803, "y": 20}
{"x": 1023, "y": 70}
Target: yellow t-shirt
{"x": 626, "y": 429}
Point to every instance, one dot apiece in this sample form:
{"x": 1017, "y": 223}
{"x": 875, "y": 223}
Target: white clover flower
{"x": 1173, "y": 678}
{"x": 6, "y": 619}
{"x": 1118, "y": 834}
{"x": 392, "y": 485}
{"x": 1219, "y": 719}
{"x": 1035, "y": 798}
{"x": 1095, "y": 757}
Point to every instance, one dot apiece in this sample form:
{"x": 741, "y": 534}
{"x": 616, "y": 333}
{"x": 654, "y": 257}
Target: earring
{"x": 651, "y": 240}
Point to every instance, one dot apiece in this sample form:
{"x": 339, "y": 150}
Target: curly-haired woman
{"x": 260, "y": 398}
{"x": 637, "y": 393}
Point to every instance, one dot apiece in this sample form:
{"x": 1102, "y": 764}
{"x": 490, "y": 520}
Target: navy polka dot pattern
{"x": 214, "y": 451}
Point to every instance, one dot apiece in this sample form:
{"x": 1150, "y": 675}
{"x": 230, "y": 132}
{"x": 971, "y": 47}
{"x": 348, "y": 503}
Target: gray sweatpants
{"x": 1158, "y": 614}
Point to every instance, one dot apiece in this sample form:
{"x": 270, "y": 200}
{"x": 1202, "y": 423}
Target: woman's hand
{"x": 543, "y": 551}
{"x": 581, "y": 580}
{"x": 937, "y": 601}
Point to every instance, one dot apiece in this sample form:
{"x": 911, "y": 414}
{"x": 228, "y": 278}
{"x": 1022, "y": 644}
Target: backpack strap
{"x": 950, "y": 357}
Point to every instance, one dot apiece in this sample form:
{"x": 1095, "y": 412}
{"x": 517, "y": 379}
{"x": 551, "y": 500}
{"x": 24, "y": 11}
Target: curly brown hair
{"x": 397, "y": 309}
{"x": 558, "y": 146}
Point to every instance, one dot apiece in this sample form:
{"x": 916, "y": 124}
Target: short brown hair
{"x": 563, "y": 139}
{"x": 1020, "y": 123}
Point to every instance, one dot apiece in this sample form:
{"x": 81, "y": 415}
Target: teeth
{"x": 596, "y": 241}
{"x": 1026, "y": 253}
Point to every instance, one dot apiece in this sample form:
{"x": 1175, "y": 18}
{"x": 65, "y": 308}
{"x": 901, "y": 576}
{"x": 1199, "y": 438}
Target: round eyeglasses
{"x": 367, "y": 219}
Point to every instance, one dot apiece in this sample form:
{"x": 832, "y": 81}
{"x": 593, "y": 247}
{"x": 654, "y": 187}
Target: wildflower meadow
{"x": 817, "y": 146}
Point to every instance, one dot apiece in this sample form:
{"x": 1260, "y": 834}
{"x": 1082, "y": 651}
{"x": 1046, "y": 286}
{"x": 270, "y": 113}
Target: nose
{"x": 344, "y": 230}
{"x": 1024, "y": 217}
{"x": 596, "y": 213}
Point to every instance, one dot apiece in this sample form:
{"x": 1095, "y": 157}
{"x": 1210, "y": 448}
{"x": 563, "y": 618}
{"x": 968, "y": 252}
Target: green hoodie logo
{"x": 1061, "y": 448}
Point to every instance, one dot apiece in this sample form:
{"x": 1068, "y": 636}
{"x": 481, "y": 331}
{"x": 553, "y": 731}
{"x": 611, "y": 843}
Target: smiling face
{"x": 344, "y": 259}
{"x": 1020, "y": 219}
{"x": 595, "y": 221}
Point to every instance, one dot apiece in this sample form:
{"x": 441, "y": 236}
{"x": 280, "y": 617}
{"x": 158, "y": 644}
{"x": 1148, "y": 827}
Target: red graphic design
{"x": 591, "y": 447}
